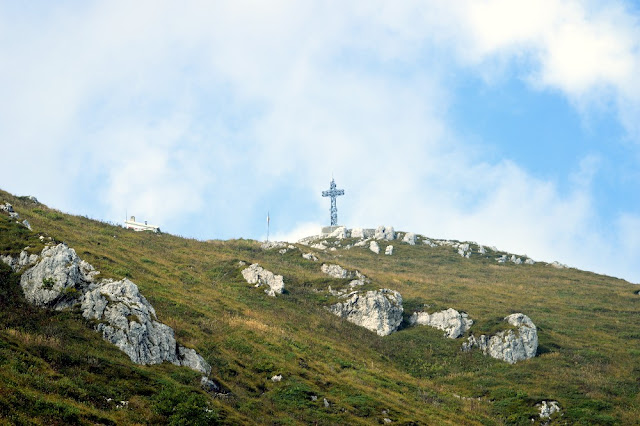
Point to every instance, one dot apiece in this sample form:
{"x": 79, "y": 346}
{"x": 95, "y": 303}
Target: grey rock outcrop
{"x": 388, "y": 250}
{"x": 256, "y": 274}
{"x": 60, "y": 280}
{"x": 128, "y": 320}
{"x": 379, "y": 310}
{"x": 509, "y": 345}
{"x": 374, "y": 247}
{"x": 452, "y": 322}
{"x": 384, "y": 233}
{"x": 25, "y": 259}
{"x": 409, "y": 238}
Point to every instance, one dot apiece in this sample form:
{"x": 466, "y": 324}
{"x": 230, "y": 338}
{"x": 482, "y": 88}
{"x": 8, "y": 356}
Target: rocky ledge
{"x": 256, "y": 274}
{"x": 60, "y": 280}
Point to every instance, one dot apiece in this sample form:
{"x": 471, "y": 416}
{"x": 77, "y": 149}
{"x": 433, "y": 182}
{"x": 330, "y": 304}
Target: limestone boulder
{"x": 336, "y": 271}
{"x": 126, "y": 319}
{"x": 256, "y": 274}
{"x": 58, "y": 279}
{"x": 310, "y": 256}
{"x": 379, "y": 311}
{"x": 384, "y": 233}
{"x": 339, "y": 233}
{"x": 409, "y": 238}
{"x": 388, "y": 250}
{"x": 374, "y": 247}
{"x": 452, "y": 322}
{"x": 509, "y": 345}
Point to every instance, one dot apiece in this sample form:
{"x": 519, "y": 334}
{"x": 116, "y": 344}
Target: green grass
{"x": 54, "y": 366}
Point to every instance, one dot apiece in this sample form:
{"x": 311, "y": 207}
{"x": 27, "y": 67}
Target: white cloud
{"x": 170, "y": 111}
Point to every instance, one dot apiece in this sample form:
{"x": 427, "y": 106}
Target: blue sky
{"x": 506, "y": 122}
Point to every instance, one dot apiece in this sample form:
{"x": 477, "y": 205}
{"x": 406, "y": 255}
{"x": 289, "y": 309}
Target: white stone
{"x": 558, "y": 265}
{"x": 268, "y": 245}
{"x": 409, "y": 238}
{"x": 276, "y": 378}
{"x": 27, "y": 224}
{"x": 374, "y": 247}
{"x": 529, "y": 261}
{"x": 319, "y": 246}
{"x": 362, "y": 243}
{"x": 339, "y": 233}
{"x": 310, "y": 256}
{"x": 482, "y": 250}
{"x": 509, "y": 346}
{"x": 256, "y": 274}
{"x": 547, "y": 409}
{"x": 379, "y": 311}
{"x": 452, "y": 322}
{"x": 388, "y": 250}
{"x": 336, "y": 271}
{"x": 384, "y": 233}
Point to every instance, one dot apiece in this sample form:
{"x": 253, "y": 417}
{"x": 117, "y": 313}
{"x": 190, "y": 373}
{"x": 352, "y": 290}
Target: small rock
{"x": 388, "y": 250}
{"x": 374, "y": 247}
{"x": 255, "y": 274}
{"x": 336, "y": 271}
{"x": 339, "y": 233}
{"x": 314, "y": 397}
{"x": 482, "y": 250}
{"x": 529, "y": 261}
{"x": 27, "y": 224}
{"x": 326, "y": 403}
{"x": 310, "y": 256}
{"x": 547, "y": 409}
{"x": 276, "y": 378}
{"x": 387, "y": 420}
{"x": 209, "y": 385}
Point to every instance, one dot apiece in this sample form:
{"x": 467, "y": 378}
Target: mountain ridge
{"x": 248, "y": 337}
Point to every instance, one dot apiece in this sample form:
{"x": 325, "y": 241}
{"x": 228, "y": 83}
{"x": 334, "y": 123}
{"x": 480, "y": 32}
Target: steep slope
{"x": 54, "y": 366}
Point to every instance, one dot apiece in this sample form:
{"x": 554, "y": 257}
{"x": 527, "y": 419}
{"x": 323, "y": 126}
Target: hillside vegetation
{"x": 54, "y": 369}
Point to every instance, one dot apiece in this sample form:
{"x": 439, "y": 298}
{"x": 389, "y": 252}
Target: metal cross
{"x": 333, "y": 193}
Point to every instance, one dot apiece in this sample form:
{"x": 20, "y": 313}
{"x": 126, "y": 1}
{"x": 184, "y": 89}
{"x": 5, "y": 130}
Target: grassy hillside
{"x": 55, "y": 369}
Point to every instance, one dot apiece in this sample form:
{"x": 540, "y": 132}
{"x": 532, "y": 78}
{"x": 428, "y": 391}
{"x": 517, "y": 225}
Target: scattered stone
{"x": 6, "y": 207}
{"x": 384, "y": 233}
{"x": 27, "y": 224}
{"x": 268, "y": 245}
{"x": 276, "y": 378}
{"x": 310, "y": 256}
{"x": 429, "y": 243}
{"x": 256, "y": 274}
{"x": 326, "y": 403}
{"x": 25, "y": 259}
{"x": 33, "y": 199}
{"x": 387, "y": 420}
{"x": 547, "y": 409}
{"x": 508, "y": 345}
{"x": 502, "y": 259}
{"x": 482, "y": 250}
{"x": 464, "y": 250}
{"x": 282, "y": 251}
{"x": 379, "y": 311}
{"x": 374, "y": 247}
{"x": 558, "y": 265}
{"x": 452, "y": 322}
{"x": 388, "y": 250}
{"x": 362, "y": 243}
{"x": 319, "y": 246}
{"x": 339, "y": 233}
{"x": 529, "y": 261}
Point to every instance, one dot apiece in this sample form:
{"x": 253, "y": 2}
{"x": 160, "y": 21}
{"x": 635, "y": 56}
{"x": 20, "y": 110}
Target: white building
{"x": 138, "y": 226}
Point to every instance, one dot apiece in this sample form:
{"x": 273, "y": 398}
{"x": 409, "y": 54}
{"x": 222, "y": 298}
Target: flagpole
{"x": 268, "y": 222}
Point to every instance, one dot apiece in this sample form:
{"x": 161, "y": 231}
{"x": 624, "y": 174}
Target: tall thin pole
{"x": 268, "y": 222}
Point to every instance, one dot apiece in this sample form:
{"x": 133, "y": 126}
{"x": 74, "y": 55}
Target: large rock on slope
{"x": 409, "y": 238}
{"x": 256, "y": 274}
{"x": 60, "y": 279}
{"x": 452, "y": 322}
{"x": 379, "y": 311}
{"x": 128, "y": 320}
{"x": 384, "y": 233}
{"x": 509, "y": 345}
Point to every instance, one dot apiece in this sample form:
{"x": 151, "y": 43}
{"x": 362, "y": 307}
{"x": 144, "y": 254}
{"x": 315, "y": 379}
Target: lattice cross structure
{"x": 333, "y": 193}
